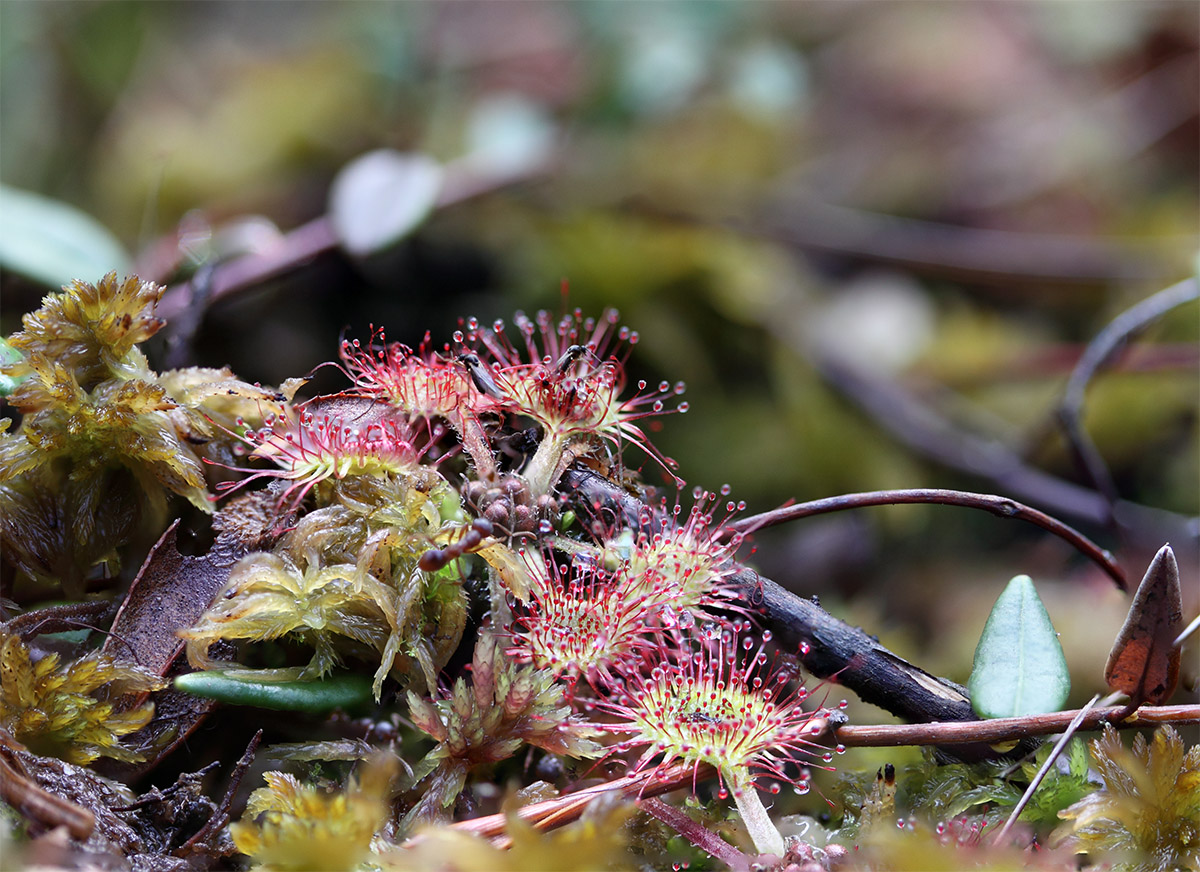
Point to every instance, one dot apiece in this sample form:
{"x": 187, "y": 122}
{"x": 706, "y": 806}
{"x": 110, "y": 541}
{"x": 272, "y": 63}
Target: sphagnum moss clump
{"x": 72, "y": 710}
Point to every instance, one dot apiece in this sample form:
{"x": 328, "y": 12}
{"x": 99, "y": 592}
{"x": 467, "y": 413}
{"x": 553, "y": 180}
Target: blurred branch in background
{"x": 923, "y": 429}
{"x": 1098, "y": 353}
{"x": 998, "y": 258}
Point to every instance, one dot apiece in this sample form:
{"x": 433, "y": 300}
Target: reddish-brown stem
{"x": 1003, "y": 507}
{"x": 564, "y": 809}
{"x": 1009, "y": 729}
{"x": 702, "y": 837}
{"x": 301, "y": 245}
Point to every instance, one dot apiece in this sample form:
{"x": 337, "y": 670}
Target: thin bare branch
{"x": 301, "y": 245}
{"x": 1003, "y": 507}
{"x": 561, "y": 810}
{"x": 925, "y": 430}
{"x": 1010, "y": 729}
{"x": 970, "y": 254}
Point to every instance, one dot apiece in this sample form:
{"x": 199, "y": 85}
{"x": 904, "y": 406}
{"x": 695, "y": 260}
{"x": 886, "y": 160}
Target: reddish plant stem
{"x": 562, "y": 810}
{"x": 1070, "y": 731}
{"x": 300, "y": 245}
{"x": 35, "y": 804}
{"x": 1009, "y": 729}
{"x": 1003, "y": 507}
{"x": 702, "y": 837}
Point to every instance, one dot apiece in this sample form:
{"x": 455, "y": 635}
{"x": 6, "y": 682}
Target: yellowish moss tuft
{"x": 69, "y": 711}
{"x": 292, "y": 827}
{"x": 1147, "y": 816}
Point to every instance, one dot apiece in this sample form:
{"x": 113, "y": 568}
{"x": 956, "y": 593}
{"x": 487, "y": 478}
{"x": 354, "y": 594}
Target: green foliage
{"x": 1019, "y": 664}
{"x": 8, "y": 357}
{"x": 243, "y": 687}
{"x": 348, "y": 575}
{"x": 1147, "y": 816}
{"x": 72, "y": 711}
{"x": 92, "y": 330}
{"x": 934, "y": 792}
{"x": 809, "y": 319}
{"x": 51, "y": 242}
{"x": 1059, "y": 788}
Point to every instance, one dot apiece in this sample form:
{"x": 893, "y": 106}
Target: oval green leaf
{"x": 345, "y": 690}
{"x": 53, "y": 243}
{"x": 1019, "y": 665}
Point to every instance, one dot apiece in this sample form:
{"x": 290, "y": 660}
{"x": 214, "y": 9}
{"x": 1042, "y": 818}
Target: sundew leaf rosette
{"x": 715, "y": 703}
{"x": 568, "y": 379}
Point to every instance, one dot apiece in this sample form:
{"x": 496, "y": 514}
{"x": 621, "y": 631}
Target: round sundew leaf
{"x": 344, "y": 690}
{"x": 1019, "y": 664}
{"x": 381, "y": 197}
{"x": 54, "y": 243}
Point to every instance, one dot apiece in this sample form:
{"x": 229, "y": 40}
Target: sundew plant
{"x": 463, "y": 583}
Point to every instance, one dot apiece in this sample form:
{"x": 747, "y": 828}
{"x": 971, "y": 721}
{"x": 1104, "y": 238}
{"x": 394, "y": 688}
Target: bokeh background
{"x": 872, "y": 237}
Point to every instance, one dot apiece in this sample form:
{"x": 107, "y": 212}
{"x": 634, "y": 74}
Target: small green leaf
{"x": 1019, "y": 665}
{"x": 338, "y": 691}
{"x": 53, "y": 243}
{"x": 1060, "y": 789}
{"x": 9, "y": 356}
{"x": 381, "y": 197}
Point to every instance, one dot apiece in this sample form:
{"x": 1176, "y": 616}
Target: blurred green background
{"x": 872, "y": 237}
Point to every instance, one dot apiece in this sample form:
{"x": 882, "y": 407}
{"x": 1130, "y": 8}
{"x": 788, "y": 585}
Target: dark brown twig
{"x": 199, "y": 842}
{"x": 1098, "y": 352}
{"x": 1010, "y": 729}
{"x": 1000, "y": 506}
{"x": 60, "y": 618}
{"x": 833, "y": 650}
